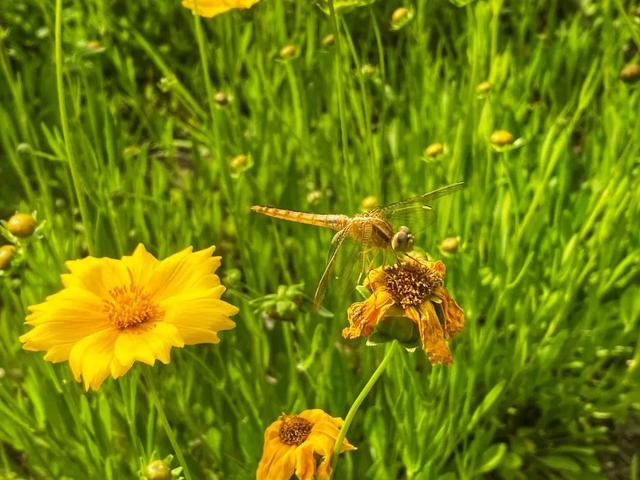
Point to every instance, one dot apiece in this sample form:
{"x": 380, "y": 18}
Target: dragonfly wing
{"x": 336, "y": 243}
{"x": 421, "y": 200}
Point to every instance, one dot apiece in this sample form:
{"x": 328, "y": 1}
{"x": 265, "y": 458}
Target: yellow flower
{"x": 112, "y": 313}
{"x": 411, "y": 289}
{"x": 211, "y": 8}
{"x": 292, "y": 443}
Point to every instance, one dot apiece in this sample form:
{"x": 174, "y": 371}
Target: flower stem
{"x": 151, "y": 390}
{"x": 66, "y": 131}
{"x": 358, "y": 401}
{"x": 341, "y": 103}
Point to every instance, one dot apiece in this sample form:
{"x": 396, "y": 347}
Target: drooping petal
{"x": 364, "y": 316}
{"x": 453, "y": 314}
{"x": 431, "y": 333}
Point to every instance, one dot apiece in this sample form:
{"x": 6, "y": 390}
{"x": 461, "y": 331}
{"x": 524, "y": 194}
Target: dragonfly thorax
{"x": 402, "y": 240}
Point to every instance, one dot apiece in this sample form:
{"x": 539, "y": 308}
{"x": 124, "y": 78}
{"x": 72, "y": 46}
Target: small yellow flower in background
{"x": 412, "y": 289}
{"x": 112, "y": 313}
{"x": 211, "y": 8}
{"x": 302, "y": 445}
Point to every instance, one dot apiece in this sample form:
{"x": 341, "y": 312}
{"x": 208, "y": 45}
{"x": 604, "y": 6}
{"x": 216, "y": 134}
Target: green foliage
{"x": 547, "y": 271}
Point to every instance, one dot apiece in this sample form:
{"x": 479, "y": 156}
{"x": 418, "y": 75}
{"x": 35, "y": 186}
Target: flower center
{"x": 129, "y": 306}
{"x": 411, "y": 282}
{"x": 294, "y": 430}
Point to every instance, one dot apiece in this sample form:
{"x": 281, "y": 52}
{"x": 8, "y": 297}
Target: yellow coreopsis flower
{"x": 112, "y": 313}
{"x": 412, "y": 289}
{"x": 302, "y": 445}
{"x": 211, "y": 8}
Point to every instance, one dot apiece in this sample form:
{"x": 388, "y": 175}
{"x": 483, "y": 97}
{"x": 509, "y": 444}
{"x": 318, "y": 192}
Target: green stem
{"x": 162, "y": 416}
{"x": 341, "y": 107}
{"x": 66, "y": 131}
{"x": 358, "y": 401}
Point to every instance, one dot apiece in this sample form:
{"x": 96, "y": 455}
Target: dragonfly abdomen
{"x": 334, "y": 222}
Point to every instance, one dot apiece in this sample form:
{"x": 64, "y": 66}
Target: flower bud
{"x": 483, "y": 87}
{"x": 399, "y": 14}
{"x": 434, "y": 150}
{"x": 221, "y": 98}
{"x": 630, "y": 73}
{"x": 369, "y": 202}
{"x": 158, "y": 470}
{"x": 500, "y": 138}
{"x": 314, "y": 197}
{"x": 21, "y": 224}
{"x": 288, "y": 51}
{"x": 450, "y": 244}
{"x": 328, "y": 40}
{"x": 6, "y": 255}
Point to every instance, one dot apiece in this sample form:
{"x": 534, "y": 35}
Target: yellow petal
{"x": 141, "y": 264}
{"x": 211, "y": 8}
{"x": 98, "y": 275}
{"x": 146, "y": 344}
{"x": 184, "y": 272}
{"x": 431, "y": 333}
{"x": 453, "y": 314}
{"x": 91, "y": 357}
{"x": 199, "y": 310}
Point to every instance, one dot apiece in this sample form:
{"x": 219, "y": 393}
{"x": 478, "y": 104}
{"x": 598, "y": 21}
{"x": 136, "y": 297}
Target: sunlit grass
{"x": 546, "y": 268}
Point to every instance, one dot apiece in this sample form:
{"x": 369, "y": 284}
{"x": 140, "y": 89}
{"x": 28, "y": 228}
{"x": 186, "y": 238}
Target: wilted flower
{"x": 21, "y": 224}
{"x": 211, "y": 8}
{"x": 412, "y": 289}
{"x": 630, "y": 73}
{"x": 112, "y": 313}
{"x": 300, "y": 445}
{"x": 434, "y": 150}
{"x": 6, "y": 255}
{"x": 501, "y": 138}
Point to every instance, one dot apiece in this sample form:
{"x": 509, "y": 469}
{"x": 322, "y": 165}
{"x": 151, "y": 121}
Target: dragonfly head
{"x": 402, "y": 240}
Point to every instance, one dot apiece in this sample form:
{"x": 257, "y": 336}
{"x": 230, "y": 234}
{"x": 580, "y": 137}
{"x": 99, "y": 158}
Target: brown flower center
{"x": 411, "y": 282}
{"x": 294, "y": 430}
{"x": 130, "y": 306}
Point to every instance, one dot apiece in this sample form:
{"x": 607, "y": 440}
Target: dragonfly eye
{"x": 403, "y": 240}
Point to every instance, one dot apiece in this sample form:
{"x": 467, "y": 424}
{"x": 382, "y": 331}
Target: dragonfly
{"x": 373, "y": 228}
